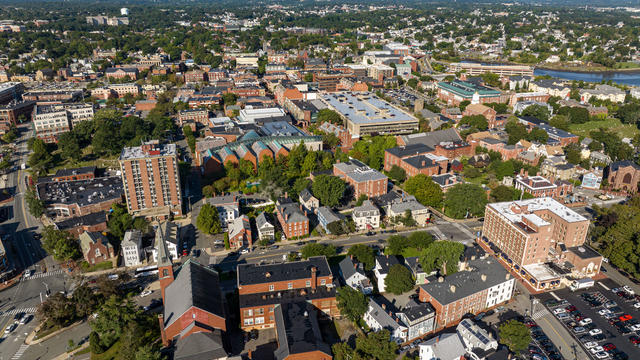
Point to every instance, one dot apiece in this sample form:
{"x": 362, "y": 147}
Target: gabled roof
{"x": 382, "y": 316}
{"x": 433, "y": 138}
{"x": 623, "y": 164}
{"x": 201, "y": 345}
{"x": 348, "y": 268}
{"x": 195, "y": 286}
{"x": 386, "y": 262}
{"x": 262, "y": 222}
{"x": 88, "y": 238}
{"x": 305, "y": 195}
{"x": 298, "y": 330}
{"x": 446, "y": 346}
{"x": 238, "y": 225}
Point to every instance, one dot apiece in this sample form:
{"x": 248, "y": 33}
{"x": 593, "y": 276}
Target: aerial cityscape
{"x": 317, "y": 180}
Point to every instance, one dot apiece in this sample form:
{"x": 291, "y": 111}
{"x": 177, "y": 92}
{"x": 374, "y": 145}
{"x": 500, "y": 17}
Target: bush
{"x": 94, "y": 343}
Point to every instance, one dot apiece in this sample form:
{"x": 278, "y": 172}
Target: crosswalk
{"x": 540, "y": 314}
{"x": 29, "y": 310}
{"x": 41, "y": 275}
{"x": 20, "y": 351}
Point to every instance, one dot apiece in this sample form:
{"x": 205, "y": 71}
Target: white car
{"x": 244, "y": 251}
{"x": 595, "y": 332}
{"x": 559, "y": 311}
{"x": 635, "y": 327}
{"x": 10, "y": 328}
{"x": 602, "y": 355}
{"x": 563, "y": 316}
{"x": 590, "y": 344}
{"x": 146, "y": 293}
{"x": 604, "y": 312}
{"x": 585, "y": 321}
{"x": 627, "y": 288}
{"x": 637, "y": 305}
{"x": 596, "y": 349}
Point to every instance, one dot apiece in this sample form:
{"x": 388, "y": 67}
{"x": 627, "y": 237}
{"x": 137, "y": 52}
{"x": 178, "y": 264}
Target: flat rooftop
{"x": 81, "y": 192}
{"x": 366, "y": 109}
{"x": 541, "y": 272}
{"x": 533, "y": 205}
{"x": 158, "y": 150}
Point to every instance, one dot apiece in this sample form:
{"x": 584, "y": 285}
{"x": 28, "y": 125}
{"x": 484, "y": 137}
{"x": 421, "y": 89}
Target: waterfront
{"x": 619, "y": 77}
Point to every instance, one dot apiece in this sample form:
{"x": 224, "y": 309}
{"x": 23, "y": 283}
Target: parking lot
{"x": 602, "y": 320}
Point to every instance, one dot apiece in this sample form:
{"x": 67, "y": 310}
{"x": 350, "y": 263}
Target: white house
{"x": 366, "y": 216}
{"x": 378, "y": 317}
{"x": 447, "y": 346}
{"x": 383, "y": 264}
{"x": 227, "y": 206}
{"x": 419, "y": 212}
{"x": 132, "y": 247}
{"x": 169, "y": 233}
{"x": 474, "y": 337}
{"x": 353, "y": 275}
{"x": 265, "y": 229}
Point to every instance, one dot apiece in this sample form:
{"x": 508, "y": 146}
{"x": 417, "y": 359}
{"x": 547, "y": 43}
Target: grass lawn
{"x": 109, "y": 354}
{"x": 628, "y": 131}
{"x": 83, "y": 351}
{"x": 627, "y": 65}
{"x": 44, "y": 332}
{"x": 99, "y": 266}
{"x": 88, "y": 159}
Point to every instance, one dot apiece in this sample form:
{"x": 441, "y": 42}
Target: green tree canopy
{"x": 60, "y": 244}
{"x": 314, "y": 249}
{"x": 352, "y": 303}
{"x": 363, "y": 254}
{"x": 425, "y": 190}
{"x": 399, "y": 279}
{"x": 515, "y": 335}
{"x": 328, "y": 189}
{"x": 465, "y": 200}
{"x": 208, "y": 220}
{"x": 328, "y": 115}
{"x": 397, "y": 173}
{"x": 442, "y": 256}
{"x": 503, "y": 193}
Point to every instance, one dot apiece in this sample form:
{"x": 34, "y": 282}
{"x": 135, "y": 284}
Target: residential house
{"x": 418, "y": 318}
{"x": 446, "y": 346}
{"x": 418, "y": 212}
{"x": 228, "y": 208}
{"x": 366, "y": 216}
{"x": 265, "y": 229}
{"x": 592, "y": 179}
{"x": 167, "y": 235}
{"x": 240, "y": 233}
{"x": 413, "y": 263}
{"x": 377, "y": 318}
{"x": 352, "y": 273}
{"x": 327, "y": 216}
{"x": 603, "y": 92}
{"x": 383, "y": 264}
{"x": 95, "y": 247}
{"x": 293, "y": 219}
{"x": 132, "y": 247}
{"x": 475, "y": 337}
{"x": 309, "y": 202}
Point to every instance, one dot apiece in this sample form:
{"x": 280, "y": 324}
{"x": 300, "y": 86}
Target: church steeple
{"x": 165, "y": 263}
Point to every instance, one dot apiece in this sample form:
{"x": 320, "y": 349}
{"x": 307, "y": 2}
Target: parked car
{"x": 10, "y": 328}
{"x": 595, "y": 332}
{"x": 146, "y": 293}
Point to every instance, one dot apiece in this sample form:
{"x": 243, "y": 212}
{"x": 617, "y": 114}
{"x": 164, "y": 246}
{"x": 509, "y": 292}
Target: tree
{"x": 399, "y": 280}
{"x": 69, "y": 146}
{"x": 538, "y": 135}
{"x": 420, "y": 240}
{"x": 537, "y": 111}
{"x": 515, "y": 335}
{"x": 352, "y": 303}
{"x": 376, "y": 346}
{"x": 208, "y": 220}
{"x": 443, "y": 256}
{"x": 573, "y": 153}
{"x": 119, "y": 221}
{"x": 502, "y": 193}
{"x": 361, "y": 199}
{"x": 313, "y": 249}
{"x": 95, "y": 344}
{"x": 397, "y": 173}
{"x": 308, "y": 77}
{"x": 36, "y": 206}
{"x": 60, "y": 244}
{"x": 113, "y": 318}
{"x": 464, "y": 200}
{"x": 516, "y": 131}
{"x": 147, "y": 352}
{"x": 328, "y": 189}
{"x": 328, "y": 115}
{"x": 229, "y": 98}
{"x": 425, "y": 190}
{"x": 477, "y": 122}
{"x": 363, "y": 254}
{"x": 395, "y": 245}
{"x": 57, "y": 310}
{"x": 40, "y": 159}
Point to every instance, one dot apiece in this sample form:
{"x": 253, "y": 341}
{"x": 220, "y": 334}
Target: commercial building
{"x": 363, "y": 179}
{"x": 447, "y": 143}
{"x": 457, "y": 91}
{"x": 482, "y": 284}
{"x": 151, "y": 180}
{"x": 251, "y": 115}
{"x": 14, "y": 113}
{"x": 262, "y": 287}
{"x": 200, "y": 116}
{"x": 121, "y": 73}
{"x": 11, "y": 91}
{"x": 53, "y": 95}
{"x": 366, "y": 114}
{"x": 498, "y": 69}
{"x": 49, "y": 121}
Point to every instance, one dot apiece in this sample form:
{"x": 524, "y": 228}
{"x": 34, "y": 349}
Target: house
{"x": 95, "y": 247}
{"x": 446, "y": 346}
{"x": 298, "y": 333}
{"x": 539, "y": 186}
{"x": 413, "y": 263}
{"x": 418, "y": 212}
{"x": 446, "y": 181}
{"x": 132, "y": 247}
{"x": 383, "y": 264}
{"x": 475, "y": 337}
{"x": 378, "y": 318}
{"x": 265, "y": 229}
{"x": 352, "y": 273}
{"x": 366, "y": 216}
{"x": 167, "y": 234}
{"x": 228, "y": 208}
{"x": 308, "y": 201}
{"x": 479, "y": 109}
{"x": 362, "y": 178}
{"x": 327, "y": 216}
{"x": 240, "y": 233}
{"x": 418, "y": 318}
{"x": 293, "y": 219}
{"x": 592, "y": 179}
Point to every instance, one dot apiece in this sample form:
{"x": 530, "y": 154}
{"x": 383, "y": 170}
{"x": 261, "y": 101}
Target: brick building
{"x": 298, "y": 333}
{"x": 240, "y": 233}
{"x": 482, "y": 284}
{"x": 262, "y": 287}
{"x": 479, "y": 109}
{"x": 83, "y": 173}
{"x": 624, "y": 175}
{"x": 95, "y": 247}
{"x": 457, "y": 91}
{"x": 14, "y": 113}
{"x": 415, "y": 159}
{"x": 94, "y": 222}
{"x": 293, "y": 219}
{"x": 362, "y": 178}
{"x": 121, "y": 73}
{"x": 150, "y": 178}
{"x": 200, "y": 116}
{"x": 539, "y": 186}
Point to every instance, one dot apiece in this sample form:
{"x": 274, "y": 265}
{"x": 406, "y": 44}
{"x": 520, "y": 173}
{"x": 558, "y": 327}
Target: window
{"x": 308, "y": 283}
{"x": 290, "y": 286}
{"x": 323, "y": 281}
{"x": 248, "y": 321}
{"x": 271, "y": 287}
{"x": 248, "y": 312}
{"x": 259, "y": 320}
{"x": 165, "y": 272}
{"x": 259, "y": 311}
{"x": 98, "y": 253}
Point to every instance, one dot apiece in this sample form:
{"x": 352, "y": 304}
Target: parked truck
{"x": 581, "y": 284}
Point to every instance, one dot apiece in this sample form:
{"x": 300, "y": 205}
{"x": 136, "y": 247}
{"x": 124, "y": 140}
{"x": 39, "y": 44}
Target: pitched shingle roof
{"x": 259, "y": 274}
{"x": 298, "y": 330}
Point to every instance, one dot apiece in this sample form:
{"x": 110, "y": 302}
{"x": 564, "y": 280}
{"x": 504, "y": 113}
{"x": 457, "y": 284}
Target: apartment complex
{"x": 49, "y": 121}
{"x": 539, "y": 186}
{"x": 482, "y": 284}
{"x": 262, "y": 287}
{"x": 151, "y": 180}
{"x": 363, "y": 179}
{"x": 499, "y": 69}
{"x": 366, "y": 114}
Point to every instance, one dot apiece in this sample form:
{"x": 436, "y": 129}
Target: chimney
{"x": 423, "y": 163}
{"x": 438, "y": 339}
{"x": 286, "y": 195}
{"x": 300, "y": 207}
{"x": 508, "y": 276}
{"x": 165, "y": 341}
{"x": 390, "y": 314}
{"x": 440, "y": 279}
{"x": 250, "y": 354}
{"x": 314, "y": 279}
{"x": 452, "y": 288}
{"x": 384, "y": 306}
{"x": 483, "y": 277}
{"x": 286, "y": 217}
{"x": 351, "y": 257}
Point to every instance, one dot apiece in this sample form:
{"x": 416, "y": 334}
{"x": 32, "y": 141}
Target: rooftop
{"x": 514, "y": 213}
{"x": 365, "y": 109}
{"x": 298, "y": 330}
{"x": 249, "y": 274}
{"x": 287, "y": 296}
{"x": 358, "y": 171}
{"x": 81, "y": 192}
{"x": 148, "y": 150}
{"x": 467, "y": 89}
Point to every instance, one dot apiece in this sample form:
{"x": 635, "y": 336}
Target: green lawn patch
{"x": 83, "y": 351}
{"x": 627, "y": 65}
{"x": 110, "y": 354}
{"x": 46, "y": 331}
{"x": 623, "y": 130}
{"x": 105, "y": 265}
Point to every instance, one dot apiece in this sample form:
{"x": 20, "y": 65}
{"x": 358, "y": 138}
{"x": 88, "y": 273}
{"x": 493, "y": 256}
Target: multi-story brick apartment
{"x": 262, "y": 287}
{"x": 481, "y": 285}
{"x": 415, "y": 159}
{"x": 150, "y": 178}
{"x": 539, "y": 186}
{"x": 362, "y": 178}
{"x": 293, "y": 219}
{"x": 624, "y": 175}
{"x": 116, "y": 91}
{"x": 479, "y": 109}
{"x": 94, "y": 222}
{"x": 195, "y": 76}
{"x": 53, "y": 95}
{"x": 200, "y": 116}
{"x": 11, "y": 91}
{"x": 530, "y": 233}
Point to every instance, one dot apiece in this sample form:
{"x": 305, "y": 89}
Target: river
{"x": 619, "y": 77}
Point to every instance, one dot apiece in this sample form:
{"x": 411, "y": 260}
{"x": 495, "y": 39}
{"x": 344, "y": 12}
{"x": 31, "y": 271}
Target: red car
{"x": 634, "y": 339}
{"x": 184, "y": 252}
{"x": 530, "y": 323}
{"x": 625, "y": 317}
{"x": 608, "y": 346}
{"x": 571, "y": 308}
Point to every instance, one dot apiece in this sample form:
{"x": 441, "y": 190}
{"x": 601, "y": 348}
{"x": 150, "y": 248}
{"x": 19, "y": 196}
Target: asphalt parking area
{"x": 602, "y": 292}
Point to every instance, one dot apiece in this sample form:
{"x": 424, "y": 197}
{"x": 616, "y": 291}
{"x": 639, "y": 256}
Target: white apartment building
{"x": 132, "y": 248}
